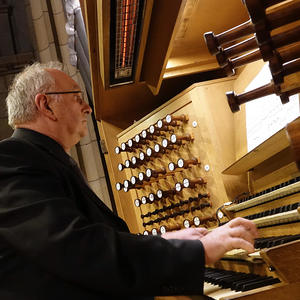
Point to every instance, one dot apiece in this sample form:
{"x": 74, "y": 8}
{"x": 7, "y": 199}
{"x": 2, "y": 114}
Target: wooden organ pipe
{"x": 275, "y": 63}
{"x": 266, "y": 3}
{"x": 286, "y": 69}
{"x": 224, "y": 54}
{"x": 257, "y": 8}
{"x": 283, "y": 56}
{"x": 235, "y": 101}
{"x": 232, "y": 64}
{"x": 286, "y": 15}
{"x": 214, "y": 42}
{"x": 265, "y": 52}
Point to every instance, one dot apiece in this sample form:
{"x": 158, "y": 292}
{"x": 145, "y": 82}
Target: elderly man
{"x": 57, "y": 239}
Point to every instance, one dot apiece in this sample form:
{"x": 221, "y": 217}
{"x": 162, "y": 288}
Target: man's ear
{"x": 42, "y": 104}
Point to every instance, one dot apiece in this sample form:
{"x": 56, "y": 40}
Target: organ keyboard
{"x": 237, "y": 281}
{"x": 284, "y": 189}
{"x": 275, "y": 209}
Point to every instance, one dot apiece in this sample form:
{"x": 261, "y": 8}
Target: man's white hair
{"x": 32, "y": 80}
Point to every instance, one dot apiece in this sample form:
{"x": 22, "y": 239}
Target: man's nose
{"x": 87, "y": 108}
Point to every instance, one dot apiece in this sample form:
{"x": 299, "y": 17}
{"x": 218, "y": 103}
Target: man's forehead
{"x": 62, "y": 79}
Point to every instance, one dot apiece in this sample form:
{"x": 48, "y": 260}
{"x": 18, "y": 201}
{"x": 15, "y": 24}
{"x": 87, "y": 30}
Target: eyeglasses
{"x": 79, "y": 99}
{"x": 65, "y": 92}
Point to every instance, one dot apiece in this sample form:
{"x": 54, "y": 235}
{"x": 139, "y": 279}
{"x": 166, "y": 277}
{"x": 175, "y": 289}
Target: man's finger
{"x": 247, "y": 224}
{"x": 238, "y": 243}
{"x": 241, "y": 232}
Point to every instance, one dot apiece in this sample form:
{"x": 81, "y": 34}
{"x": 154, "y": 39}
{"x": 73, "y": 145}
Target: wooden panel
{"x": 285, "y": 260}
{"x": 143, "y": 38}
{"x": 267, "y": 149}
{"x": 293, "y": 131}
{"x": 164, "y": 23}
{"x": 213, "y": 144}
{"x": 103, "y": 24}
{"x": 90, "y": 9}
{"x": 108, "y": 133}
{"x": 189, "y": 52}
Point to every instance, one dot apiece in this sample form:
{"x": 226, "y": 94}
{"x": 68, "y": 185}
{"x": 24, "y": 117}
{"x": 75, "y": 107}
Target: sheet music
{"x": 267, "y": 115}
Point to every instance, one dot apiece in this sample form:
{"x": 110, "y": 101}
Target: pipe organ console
{"x": 185, "y": 185}
{"x": 185, "y": 163}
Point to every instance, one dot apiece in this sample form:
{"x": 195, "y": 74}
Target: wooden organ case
{"x": 184, "y": 164}
{"x": 263, "y": 186}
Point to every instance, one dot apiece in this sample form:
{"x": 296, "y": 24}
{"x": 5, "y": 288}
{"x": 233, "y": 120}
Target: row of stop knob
{"x": 186, "y": 183}
{"x": 178, "y": 205}
{"x": 152, "y": 133}
{"x": 161, "y": 194}
{"x": 166, "y": 145}
{"x": 197, "y": 221}
{"x": 135, "y": 162}
{"x": 176, "y": 214}
{"x": 151, "y": 175}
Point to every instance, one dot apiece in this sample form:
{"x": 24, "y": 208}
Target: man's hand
{"x": 238, "y": 233}
{"x": 186, "y": 234}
